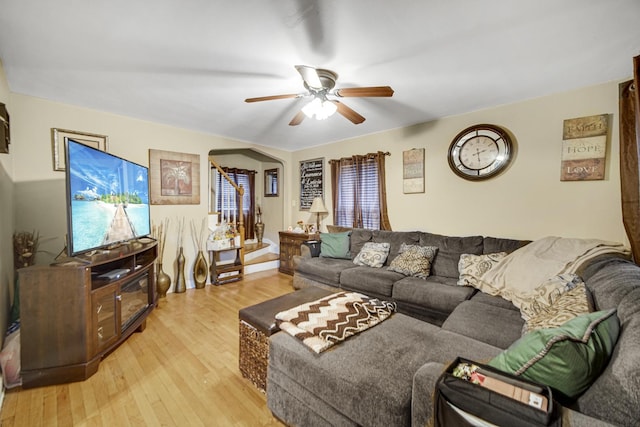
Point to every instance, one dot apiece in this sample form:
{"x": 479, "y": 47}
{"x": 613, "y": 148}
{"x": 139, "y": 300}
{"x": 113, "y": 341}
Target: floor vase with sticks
{"x": 200, "y": 265}
{"x": 181, "y": 285}
{"x": 163, "y": 280}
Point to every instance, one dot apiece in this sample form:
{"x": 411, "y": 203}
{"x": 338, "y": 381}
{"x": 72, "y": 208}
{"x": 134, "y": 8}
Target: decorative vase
{"x": 180, "y": 282}
{"x": 259, "y": 227}
{"x": 200, "y": 271}
{"x": 163, "y": 282}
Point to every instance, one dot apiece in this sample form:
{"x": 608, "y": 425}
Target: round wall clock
{"x": 480, "y": 152}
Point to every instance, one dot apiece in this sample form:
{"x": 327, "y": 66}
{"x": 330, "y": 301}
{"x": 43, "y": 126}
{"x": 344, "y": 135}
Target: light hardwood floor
{"x": 181, "y": 371}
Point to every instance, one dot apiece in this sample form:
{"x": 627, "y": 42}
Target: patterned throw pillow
{"x": 568, "y": 305}
{"x": 414, "y": 260}
{"x": 473, "y": 267}
{"x": 372, "y": 254}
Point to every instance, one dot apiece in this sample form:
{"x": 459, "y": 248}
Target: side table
{"x": 216, "y": 268}
{"x": 289, "y": 247}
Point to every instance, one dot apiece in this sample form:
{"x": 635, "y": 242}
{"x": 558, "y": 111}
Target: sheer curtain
{"x": 629, "y": 155}
{"x": 359, "y": 191}
{"x": 228, "y": 197}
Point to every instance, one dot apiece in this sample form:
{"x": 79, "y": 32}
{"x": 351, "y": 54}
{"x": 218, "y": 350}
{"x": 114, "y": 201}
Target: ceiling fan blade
{"x": 297, "y": 119}
{"x": 364, "y": 91}
{"x": 350, "y": 114}
{"x": 272, "y": 97}
{"x": 310, "y": 76}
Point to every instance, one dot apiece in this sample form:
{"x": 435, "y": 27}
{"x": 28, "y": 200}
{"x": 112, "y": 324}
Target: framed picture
{"x": 271, "y": 182}
{"x": 174, "y": 178}
{"x": 413, "y": 171}
{"x": 584, "y": 148}
{"x": 60, "y": 136}
{"x": 311, "y": 182}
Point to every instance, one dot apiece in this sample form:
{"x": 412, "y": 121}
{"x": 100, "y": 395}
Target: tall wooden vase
{"x": 200, "y": 271}
{"x": 163, "y": 282}
{"x": 181, "y": 285}
{"x": 259, "y": 227}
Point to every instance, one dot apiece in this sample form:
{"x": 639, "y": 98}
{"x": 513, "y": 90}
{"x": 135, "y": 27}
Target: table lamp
{"x": 317, "y": 207}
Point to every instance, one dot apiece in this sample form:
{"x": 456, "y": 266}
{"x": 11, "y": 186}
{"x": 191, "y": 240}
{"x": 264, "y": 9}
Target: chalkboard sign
{"x": 311, "y": 182}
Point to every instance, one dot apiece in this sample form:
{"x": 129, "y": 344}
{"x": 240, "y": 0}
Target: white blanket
{"x": 521, "y": 273}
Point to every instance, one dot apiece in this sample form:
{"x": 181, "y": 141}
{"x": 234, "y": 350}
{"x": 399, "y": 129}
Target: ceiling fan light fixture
{"x": 319, "y": 108}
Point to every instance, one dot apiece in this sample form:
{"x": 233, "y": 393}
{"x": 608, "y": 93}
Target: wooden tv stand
{"x": 77, "y": 310}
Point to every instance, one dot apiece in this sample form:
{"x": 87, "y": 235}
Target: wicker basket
{"x": 254, "y": 355}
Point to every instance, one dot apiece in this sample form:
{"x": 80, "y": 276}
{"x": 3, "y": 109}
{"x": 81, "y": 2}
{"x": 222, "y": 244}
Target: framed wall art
{"x": 584, "y": 148}
{"x": 60, "y": 136}
{"x": 413, "y": 171}
{"x": 174, "y": 178}
{"x": 311, "y": 182}
{"x": 271, "y": 183}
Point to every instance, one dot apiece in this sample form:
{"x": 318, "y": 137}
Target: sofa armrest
{"x": 424, "y": 382}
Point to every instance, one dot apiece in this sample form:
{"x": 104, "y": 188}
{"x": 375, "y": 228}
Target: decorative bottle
{"x": 163, "y": 282}
{"x": 181, "y": 285}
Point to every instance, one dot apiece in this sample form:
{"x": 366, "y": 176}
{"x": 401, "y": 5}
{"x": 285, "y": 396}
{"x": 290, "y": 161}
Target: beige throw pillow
{"x": 473, "y": 267}
{"x": 372, "y": 254}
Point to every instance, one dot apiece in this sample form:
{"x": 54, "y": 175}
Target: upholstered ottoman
{"x": 257, "y": 324}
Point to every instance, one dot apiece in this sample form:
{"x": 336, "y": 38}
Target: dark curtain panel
{"x": 359, "y": 191}
{"x": 629, "y": 155}
{"x": 248, "y": 180}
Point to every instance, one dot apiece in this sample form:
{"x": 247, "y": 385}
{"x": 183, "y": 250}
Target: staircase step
{"x": 263, "y": 258}
{"x": 252, "y": 247}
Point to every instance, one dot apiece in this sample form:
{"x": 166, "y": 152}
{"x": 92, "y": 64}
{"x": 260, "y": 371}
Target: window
{"x": 359, "y": 194}
{"x": 227, "y": 201}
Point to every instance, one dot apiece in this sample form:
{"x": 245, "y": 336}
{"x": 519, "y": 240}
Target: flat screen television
{"x": 107, "y": 199}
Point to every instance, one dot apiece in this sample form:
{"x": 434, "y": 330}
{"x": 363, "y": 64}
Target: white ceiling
{"x": 191, "y": 63}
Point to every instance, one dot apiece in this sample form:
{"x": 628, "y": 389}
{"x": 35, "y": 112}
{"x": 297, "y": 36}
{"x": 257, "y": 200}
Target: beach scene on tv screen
{"x": 109, "y": 198}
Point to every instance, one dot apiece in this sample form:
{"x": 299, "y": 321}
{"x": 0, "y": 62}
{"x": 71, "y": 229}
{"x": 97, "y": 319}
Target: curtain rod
{"x": 368, "y": 155}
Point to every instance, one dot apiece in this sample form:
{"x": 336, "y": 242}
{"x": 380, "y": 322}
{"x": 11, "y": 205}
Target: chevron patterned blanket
{"x": 322, "y": 323}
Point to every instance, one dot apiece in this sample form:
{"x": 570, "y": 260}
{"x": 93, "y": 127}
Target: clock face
{"x": 480, "y": 152}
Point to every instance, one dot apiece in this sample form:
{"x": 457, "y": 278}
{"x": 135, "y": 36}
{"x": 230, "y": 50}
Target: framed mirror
{"x": 270, "y": 182}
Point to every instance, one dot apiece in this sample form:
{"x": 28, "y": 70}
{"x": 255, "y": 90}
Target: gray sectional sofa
{"x": 385, "y": 376}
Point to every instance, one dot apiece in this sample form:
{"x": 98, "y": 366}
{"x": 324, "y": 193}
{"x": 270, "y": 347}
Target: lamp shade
{"x": 317, "y": 206}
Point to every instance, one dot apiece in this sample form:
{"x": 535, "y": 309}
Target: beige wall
{"x": 6, "y": 217}
{"x": 42, "y": 187}
{"x": 528, "y": 201}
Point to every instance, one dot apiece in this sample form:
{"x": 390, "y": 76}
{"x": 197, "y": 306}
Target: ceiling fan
{"x": 320, "y": 84}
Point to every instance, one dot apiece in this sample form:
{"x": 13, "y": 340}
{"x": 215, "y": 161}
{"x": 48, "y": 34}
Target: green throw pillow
{"x": 568, "y": 358}
{"x": 335, "y": 245}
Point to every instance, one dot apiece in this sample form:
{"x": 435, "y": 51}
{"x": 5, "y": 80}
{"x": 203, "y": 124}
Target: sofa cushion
{"x": 335, "y": 245}
{"x": 369, "y": 281}
{"x": 493, "y": 300}
{"x": 359, "y": 236}
{"x": 324, "y": 270}
{"x": 430, "y": 294}
{"x": 449, "y": 251}
{"x": 396, "y": 239}
{"x": 568, "y": 358}
{"x": 615, "y": 395}
{"x": 414, "y": 260}
{"x": 372, "y": 254}
{"x": 472, "y": 267}
{"x": 477, "y": 320}
{"x": 494, "y": 244}
{"x": 369, "y": 377}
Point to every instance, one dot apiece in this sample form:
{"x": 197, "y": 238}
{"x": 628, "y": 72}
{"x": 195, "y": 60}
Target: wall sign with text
{"x": 584, "y": 148}
{"x": 311, "y": 182}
